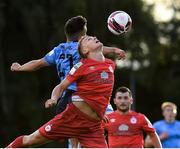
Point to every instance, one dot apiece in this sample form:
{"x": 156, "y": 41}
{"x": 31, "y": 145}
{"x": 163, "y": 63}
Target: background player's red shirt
{"x": 127, "y": 130}
{"x": 95, "y": 82}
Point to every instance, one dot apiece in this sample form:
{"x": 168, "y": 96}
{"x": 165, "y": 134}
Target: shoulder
{"x": 133, "y": 113}
{"x": 57, "y": 48}
{"x": 112, "y": 114}
{"x": 158, "y": 123}
{"x": 109, "y": 61}
{"x": 141, "y": 117}
{"x": 177, "y": 122}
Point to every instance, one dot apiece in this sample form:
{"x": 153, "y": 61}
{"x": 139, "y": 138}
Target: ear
{"x": 131, "y": 101}
{"x": 114, "y": 100}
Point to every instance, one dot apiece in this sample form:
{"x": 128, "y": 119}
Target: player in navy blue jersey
{"x": 64, "y": 56}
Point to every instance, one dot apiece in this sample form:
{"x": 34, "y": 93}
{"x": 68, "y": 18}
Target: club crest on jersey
{"x": 133, "y": 120}
{"x": 111, "y": 69}
{"x": 104, "y": 75}
{"x": 123, "y": 127}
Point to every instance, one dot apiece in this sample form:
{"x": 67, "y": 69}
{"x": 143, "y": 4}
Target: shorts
{"x": 64, "y": 100}
{"x": 72, "y": 123}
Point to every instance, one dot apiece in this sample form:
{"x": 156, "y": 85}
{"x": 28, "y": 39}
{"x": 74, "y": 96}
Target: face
{"x": 123, "y": 101}
{"x": 89, "y": 43}
{"x": 169, "y": 113}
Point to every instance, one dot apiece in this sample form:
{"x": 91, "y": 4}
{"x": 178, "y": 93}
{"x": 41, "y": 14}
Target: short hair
{"x": 82, "y": 55}
{"x": 75, "y": 26}
{"x": 123, "y": 89}
{"x": 170, "y": 104}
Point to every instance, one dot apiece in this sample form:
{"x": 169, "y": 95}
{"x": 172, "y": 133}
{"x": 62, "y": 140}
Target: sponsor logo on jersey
{"x": 123, "y": 127}
{"x": 104, "y": 75}
{"x": 112, "y": 120}
{"x": 133, "y": 120}
{"x": 111, "y": 69}
{"x": 91, "y": 67}
{"x": 48, "y": 128}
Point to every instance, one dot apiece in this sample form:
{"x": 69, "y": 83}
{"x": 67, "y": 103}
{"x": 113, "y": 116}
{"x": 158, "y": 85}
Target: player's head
{"x": 169, "y": 111}
{"x": 88, "y": 44}
{"x": 123, "y": 99}
{"x": 75, "y": 27}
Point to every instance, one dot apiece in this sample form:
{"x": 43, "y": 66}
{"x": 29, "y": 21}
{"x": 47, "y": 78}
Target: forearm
{"x": 59, "y": 89}
{"x": 108, "y": 50}
{"x": 57, "y": 92}
{"x": 33, "y": 65}
{"x": 155, "y": 140}
{"x": 116, "y": 51}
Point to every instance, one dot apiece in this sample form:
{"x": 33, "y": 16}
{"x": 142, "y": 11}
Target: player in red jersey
{"x": 82, "y": 118}
{"x": 125, "y": 128}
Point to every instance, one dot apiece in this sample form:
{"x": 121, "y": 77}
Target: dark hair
{"x": 123, "y": 90}
{"x": 75, "y": 27}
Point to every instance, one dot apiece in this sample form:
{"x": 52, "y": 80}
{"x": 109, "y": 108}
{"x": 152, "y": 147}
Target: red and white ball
{"x": 119, "y": 22}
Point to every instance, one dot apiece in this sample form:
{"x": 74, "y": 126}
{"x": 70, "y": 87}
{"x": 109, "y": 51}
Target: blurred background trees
{"x": 29, "y": 29}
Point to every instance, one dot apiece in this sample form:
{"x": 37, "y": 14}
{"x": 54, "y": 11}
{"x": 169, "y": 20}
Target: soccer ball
{"x": 119, "y": 22}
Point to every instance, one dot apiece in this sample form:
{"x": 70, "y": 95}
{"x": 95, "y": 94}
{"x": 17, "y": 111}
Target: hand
{"x": 105, "y": 119}
{"x": 50, "y": 103}
{"x": 163, "y": 135}
{"x": 120, "y": 53}
{"x": 15, "y": 67}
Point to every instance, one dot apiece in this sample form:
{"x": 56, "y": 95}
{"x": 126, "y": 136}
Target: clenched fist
{"x": 15, "y": 67}
{"x": 50, "y": 103}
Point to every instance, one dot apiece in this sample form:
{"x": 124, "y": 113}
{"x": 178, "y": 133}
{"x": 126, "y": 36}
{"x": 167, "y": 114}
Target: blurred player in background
{"x": 125, "y": 128}
{"x": 167, "y": 129}
{"x": 65, "y": 56}
{"x": 82, "y": 118}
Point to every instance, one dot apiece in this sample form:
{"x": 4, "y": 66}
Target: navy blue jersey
{"x": 64, "y": 56}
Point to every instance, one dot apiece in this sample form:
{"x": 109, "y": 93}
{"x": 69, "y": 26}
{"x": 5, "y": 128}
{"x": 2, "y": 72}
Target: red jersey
{"x": 126, "y": 131}
{"x": 95, "y": 82}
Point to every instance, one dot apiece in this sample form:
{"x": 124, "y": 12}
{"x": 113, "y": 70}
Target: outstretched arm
{"x": 29, "y": 66}
{"x": 119, "y": 52}
{"x": 56, "y": 93}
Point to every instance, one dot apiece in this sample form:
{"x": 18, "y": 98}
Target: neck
{"x": 170, "y": 120}
{"x": 123, "y": 112}
{"x": 96, "y": 55}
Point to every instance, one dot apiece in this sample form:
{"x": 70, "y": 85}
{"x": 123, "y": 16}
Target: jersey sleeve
{"x": 50, "y": 57}
{"x": 146, "y": 125}
{"x": 76, "y": 72}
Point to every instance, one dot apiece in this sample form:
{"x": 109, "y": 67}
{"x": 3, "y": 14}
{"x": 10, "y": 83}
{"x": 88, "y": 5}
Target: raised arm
{"x": 56, "y": 93}
{"x": 29, "y": 66}
{"x": 119, "y": 52}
